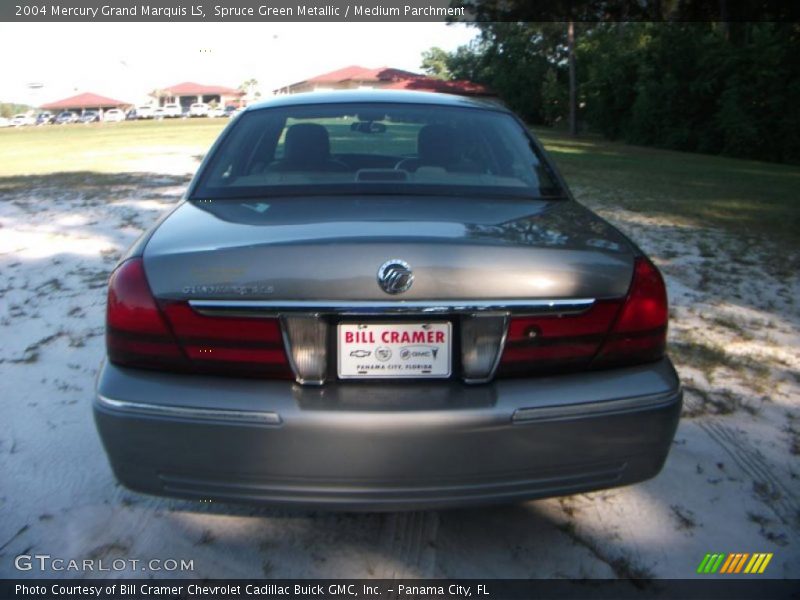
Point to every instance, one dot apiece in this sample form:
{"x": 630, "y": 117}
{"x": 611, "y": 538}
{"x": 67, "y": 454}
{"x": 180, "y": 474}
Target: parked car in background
{"x": 144, "y": 112}
{"x": 66, "y": 117}
{"x": 22, "y": 119}
{"x": 418, "y": 316}
{"x": 113, "y": 115}
{"x": 45, "y": 118}
{"x": 158, "y": 113}
{"x": 216, "y": 112}
{"x": 198, "y": 109}
{"x": 230, "y": 111}
{"x": 4, "y": 122}
{"x": 90, "y": 116}
{"x": 172, "y": 111}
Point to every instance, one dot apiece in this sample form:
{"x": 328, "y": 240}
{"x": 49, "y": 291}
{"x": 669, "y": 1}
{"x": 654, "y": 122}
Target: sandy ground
{"x": 731, "y": 483}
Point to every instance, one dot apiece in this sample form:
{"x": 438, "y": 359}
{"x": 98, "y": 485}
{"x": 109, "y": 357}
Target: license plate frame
{"x": 407, "y": 357}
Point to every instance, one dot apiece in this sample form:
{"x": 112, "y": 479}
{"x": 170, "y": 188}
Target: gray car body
{"x": 385, "y": 445}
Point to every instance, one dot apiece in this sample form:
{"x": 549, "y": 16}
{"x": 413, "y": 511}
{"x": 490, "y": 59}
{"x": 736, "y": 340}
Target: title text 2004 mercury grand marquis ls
{"x": 383, "y": 300}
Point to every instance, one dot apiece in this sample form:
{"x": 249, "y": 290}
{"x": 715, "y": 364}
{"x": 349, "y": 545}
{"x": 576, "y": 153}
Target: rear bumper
{"x": 386, "y": 447}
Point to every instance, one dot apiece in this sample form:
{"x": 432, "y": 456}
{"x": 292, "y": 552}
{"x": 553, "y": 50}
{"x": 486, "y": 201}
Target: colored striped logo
{"x": 735, "y": 562}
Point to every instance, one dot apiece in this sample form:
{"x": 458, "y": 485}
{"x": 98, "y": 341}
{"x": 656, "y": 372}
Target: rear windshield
{"x": 381, "y": 148}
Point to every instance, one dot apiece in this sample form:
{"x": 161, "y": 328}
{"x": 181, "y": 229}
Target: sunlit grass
{"x": 102, "y": 147}
{"x": 747, "y": 197}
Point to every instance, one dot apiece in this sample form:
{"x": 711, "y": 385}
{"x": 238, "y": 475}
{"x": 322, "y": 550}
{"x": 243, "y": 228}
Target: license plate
{"x": 394, "y": 350}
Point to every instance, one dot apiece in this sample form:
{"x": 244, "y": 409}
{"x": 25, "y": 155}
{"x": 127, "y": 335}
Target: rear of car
{"x": 22, "y": 120}
{"x": 198, "y": 109}
{"x": 90, "y": 116}
{"x": 113, "y": 115}
{"x": 173, "y": 110}
{"x": 145, "y": 112}
{"x": 384, "y": 301}
{"x": 66, "y": 117}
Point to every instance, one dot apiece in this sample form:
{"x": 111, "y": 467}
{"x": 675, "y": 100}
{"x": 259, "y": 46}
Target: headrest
{"x": 307, "y": 143}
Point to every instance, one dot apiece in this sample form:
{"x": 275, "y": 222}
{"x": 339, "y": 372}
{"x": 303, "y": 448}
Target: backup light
{"x": 307, "y": 344}
{"x": 481, "y": 343}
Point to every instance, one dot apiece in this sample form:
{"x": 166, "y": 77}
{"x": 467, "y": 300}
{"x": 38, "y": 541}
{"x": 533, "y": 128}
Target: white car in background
{"x": 215, "y": 112}
{"x": 198, "y": 109}
{"x": 145, "y": 112}
{"x": 22, "y": 119}
{"x": 173, "y": 111}
{"x": 5, "y": 122}
{"x": 113, "y": 115}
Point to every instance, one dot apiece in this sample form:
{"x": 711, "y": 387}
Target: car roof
{"x": 378, "y": 96}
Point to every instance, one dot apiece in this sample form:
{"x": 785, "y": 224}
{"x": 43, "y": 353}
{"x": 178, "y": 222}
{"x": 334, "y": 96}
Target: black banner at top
{"x": 395, "y": 10}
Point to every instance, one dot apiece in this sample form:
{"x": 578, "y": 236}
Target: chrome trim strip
{"x": 271, "y": 308}
{"x": 182, "y": 412}
{"x": 587, "y": 409}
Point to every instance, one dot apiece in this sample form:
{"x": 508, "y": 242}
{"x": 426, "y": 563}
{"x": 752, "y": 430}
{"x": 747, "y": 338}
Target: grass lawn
{"x": 750, "y": 197}
{"x": 100, "y": 147}
{"x": 747, "y": 197}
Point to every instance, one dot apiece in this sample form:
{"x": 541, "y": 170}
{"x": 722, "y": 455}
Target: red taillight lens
{"x": 170, "y": 337}
{"x": 229, "y": 344}
{"x": 136, "y": 334}
{"x": 611, "y": 333}
{"x": 640, "y": 332}
{"x": 549, "y": 343}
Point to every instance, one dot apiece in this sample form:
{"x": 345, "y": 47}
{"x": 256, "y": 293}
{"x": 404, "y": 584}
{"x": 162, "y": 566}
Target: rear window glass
{"x": 401, "y": 148}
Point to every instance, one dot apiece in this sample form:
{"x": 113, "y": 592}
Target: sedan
{"x": 45, "y": 118}
{"x": 199, "y": 109}
{"x": 377, "y": 300}
{"x": 172, "y": 111}
{"x": 90, "y": 116}
{"x": 22, "y": 120}
{"x": 113, "y": 115}
{"x": 66, "y": 117}
{"x": 144, "y": 112}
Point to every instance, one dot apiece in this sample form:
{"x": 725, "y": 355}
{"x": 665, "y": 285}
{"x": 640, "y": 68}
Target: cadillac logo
{"x": 395, "y": 276}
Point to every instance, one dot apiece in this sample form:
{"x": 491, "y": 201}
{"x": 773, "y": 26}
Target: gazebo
{"x": 86, "y": 101}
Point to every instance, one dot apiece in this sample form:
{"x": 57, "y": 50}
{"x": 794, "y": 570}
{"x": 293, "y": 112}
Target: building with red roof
{"x": 355, "y": 77}
{"x": 86, "y": 101}
{"x": 188, "y": 92}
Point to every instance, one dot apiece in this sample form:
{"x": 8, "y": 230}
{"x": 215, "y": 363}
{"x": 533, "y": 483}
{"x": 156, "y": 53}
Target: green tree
{"x": 709, "y": 87}
{"x": 434, "y": 63}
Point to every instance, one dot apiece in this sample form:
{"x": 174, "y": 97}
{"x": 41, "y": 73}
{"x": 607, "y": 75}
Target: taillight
{"x": 556, "y": 342}
{"x": 229, "y": 345}
{"x": 640, "y": 332}
{"x": 136, "y": 333}
{"x": 172, "y": 336}
{"x": 611, "y": 333}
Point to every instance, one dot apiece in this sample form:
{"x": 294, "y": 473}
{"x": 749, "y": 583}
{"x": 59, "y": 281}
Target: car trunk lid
{"x": 330, "y": 248}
